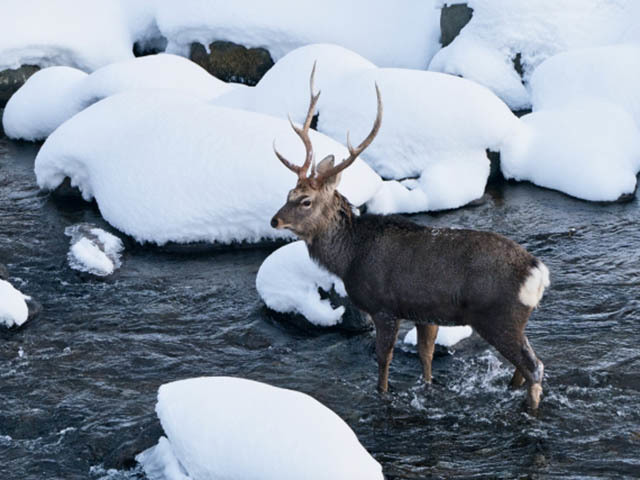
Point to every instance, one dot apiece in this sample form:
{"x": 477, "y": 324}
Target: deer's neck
{"x": 332, "y": 246}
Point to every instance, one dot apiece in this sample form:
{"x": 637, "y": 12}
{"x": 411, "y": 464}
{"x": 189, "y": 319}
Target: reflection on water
{"x": 78, "y": 384}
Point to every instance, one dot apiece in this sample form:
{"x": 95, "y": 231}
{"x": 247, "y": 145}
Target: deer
{"x": 394, "y": 269}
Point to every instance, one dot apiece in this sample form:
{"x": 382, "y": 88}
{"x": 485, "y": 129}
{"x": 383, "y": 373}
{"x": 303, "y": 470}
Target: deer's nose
{"x": 275, "y": 221}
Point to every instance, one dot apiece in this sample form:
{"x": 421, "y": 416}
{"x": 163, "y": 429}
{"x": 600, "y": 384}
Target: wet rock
{"x": 35, "y": 308}
{"x": 12, "y": 79}
{"x": 123, "y": 456}
{"x": 231, "y": 62}
{"x": 353, "y": 320}
{"x": 453, "y": 18}
{"x": 4, "y": 274}
{"x": 495, "y": 173}
{"x": 66, "y": 191}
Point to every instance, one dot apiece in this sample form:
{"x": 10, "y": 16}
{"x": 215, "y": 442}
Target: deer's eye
{"x": 306, "y": 203}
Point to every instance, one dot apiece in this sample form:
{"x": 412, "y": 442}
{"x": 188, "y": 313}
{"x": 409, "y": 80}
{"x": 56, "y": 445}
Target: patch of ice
{"x": 237, "y": 429}
{"x": 288, "y": 282}
{"x": 13, "y": 307}
{"x": 93, "y": 250}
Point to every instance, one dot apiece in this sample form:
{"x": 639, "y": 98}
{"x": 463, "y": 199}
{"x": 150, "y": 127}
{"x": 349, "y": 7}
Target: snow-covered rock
{"x": 237, "y": 429}
{"x": 606, "y": 73}
{"x": 53, "y": 95}
{"x": 404, "y": 33}
{"x": 589, "y": 150}
{"x": 13, "y": 305}
{"x": 434, "y": 126}
{"x": 501, "y": 30}
{"x": 85, "y": 35}
{"x": 284, "y": 89}
{"x": 174, "y": 168}
{"x": 93, "y": 250}
{"x": 288, "y": 282}
{"x": 447, "y": 336}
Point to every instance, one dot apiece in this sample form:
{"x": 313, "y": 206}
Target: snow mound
{"x": 93, "y": 250}
{"x": 53, "y": 95}
{"x": 237, "y": 429}
{"x": 410, "y": 28}
{"x": 434, "y": 127}
{"x": 589, "y": 150}
{"x": 447, "y": 336}
{"x": 288, "y": 282}
{"x": 502, "y": 31}
{"x": 606, "y": 73}
{"x": 174, "y": 168}
{"x": 85, "y": 35}
{"x": 284, "y": 89}
{"x": 13, "y": 305}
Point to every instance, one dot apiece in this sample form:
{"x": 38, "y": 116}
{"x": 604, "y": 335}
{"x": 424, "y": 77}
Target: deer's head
{"x": 313, "y": 203}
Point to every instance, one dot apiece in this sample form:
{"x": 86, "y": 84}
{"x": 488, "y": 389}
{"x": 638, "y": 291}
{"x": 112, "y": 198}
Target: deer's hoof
{"x": 533, "y": 400}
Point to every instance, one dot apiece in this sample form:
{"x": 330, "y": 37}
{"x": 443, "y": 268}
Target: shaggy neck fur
{"x": 331, "y": 245}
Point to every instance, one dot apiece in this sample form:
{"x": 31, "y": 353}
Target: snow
{"x": 13, "y": 307}
{"x": 182, "y": 170}
{"x": 447, "y": 336}
{"x": 434, "y": 127}
{"x": 93, "y": 250}
{"x": 288, "y": 282}
{"x": 404, "y": 33}
{"x": 85, "y": 35}
{"x": 499, "y": 30}
{"x": 589, "y": 150}
{"x": 53, "y": 95}
{"x": 606, "y": 73}
{"x": 232, "y": 428}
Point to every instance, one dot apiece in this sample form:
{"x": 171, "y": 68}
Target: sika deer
{"x": 395, "y": 269}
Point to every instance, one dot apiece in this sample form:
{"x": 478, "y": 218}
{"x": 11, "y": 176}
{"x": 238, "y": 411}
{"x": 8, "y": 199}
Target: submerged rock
{"x": 12, "y": 79}
{"x": 93, "y": 250}
{"x": 231, "y": 62}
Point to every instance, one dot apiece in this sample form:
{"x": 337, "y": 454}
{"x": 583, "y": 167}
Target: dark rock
{"x": 150, "y": 46}
{"x": 517, "y": 64}
{"x": 4, "y": 274}
{"x": 34, "y": 308}
{"x": 123, "y": 455}
{"x": 495, "y": 173}
{"x": 66, "y": 191}
{"x": 231, "y": 62}
{"x": 453, "y": 18}
{"x": 353, "y": 320}
{"x": 12, "y": 80}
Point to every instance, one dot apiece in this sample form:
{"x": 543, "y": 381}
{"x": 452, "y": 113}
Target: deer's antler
{"x": 354, "y": 152}
{"x": 303, "y": 133}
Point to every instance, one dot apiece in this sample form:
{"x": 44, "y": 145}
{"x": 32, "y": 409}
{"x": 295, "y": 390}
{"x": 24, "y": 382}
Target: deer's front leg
{"x": 427, "y": 334}
{"x": 386, "y": 336}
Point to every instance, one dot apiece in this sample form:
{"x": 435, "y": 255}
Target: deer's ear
{"x": 325, "y": 165}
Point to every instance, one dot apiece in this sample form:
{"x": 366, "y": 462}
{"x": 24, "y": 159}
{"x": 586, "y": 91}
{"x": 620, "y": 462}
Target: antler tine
{"x": 303, "y": 132}
{"x": 354, "y": 152}
{"x": 286, "y": 163}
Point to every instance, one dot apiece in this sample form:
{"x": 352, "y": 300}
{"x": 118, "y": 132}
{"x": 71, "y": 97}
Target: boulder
{"x": 12, "y": 79}
{"x": 231, "y": 62}
{"x": 453, "y": 18}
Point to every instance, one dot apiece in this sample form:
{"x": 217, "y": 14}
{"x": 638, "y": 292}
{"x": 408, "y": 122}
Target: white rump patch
{"x": 533, "y": 287}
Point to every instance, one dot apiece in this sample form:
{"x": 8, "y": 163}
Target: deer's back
{"x": 418, "y": 272}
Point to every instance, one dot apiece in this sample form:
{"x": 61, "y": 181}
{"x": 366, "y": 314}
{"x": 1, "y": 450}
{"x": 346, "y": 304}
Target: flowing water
{"x": 78, "y": 383}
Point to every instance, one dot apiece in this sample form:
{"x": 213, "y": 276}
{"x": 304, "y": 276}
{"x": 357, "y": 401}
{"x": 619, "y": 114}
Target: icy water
{"x": 78, "y": 384}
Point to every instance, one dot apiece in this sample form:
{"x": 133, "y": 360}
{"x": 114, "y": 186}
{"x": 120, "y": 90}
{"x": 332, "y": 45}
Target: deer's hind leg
{"x": 427, "y": 334}
{"x": 508, "y": 337}
{"x": 386, "y": 335}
